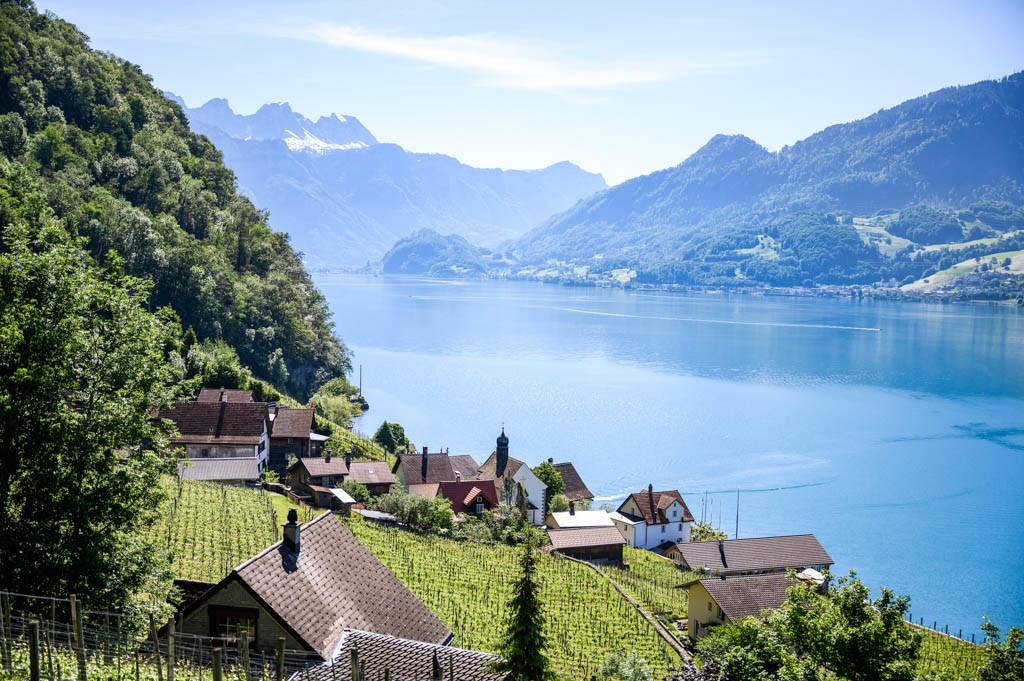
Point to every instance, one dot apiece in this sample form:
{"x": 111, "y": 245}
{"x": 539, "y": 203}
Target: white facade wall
{"x": 535, "y": 489}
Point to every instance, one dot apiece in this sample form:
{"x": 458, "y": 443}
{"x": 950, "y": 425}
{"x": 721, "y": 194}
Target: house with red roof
{"x": 469, "y": 497}
{"x": 649, "y": 519}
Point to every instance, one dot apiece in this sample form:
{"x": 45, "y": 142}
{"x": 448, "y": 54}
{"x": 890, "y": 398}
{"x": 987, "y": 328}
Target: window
{"x": 328, "y": 481}
{"x": 663, "y": 529}
{"x": 231, "y": 622}
{"x": 204, "y": 452}
{"x": 479, "y": 506}
{"x": 291, "y": 441}
{"x": 709, "y": 606}
{"x": 680, "y": 527}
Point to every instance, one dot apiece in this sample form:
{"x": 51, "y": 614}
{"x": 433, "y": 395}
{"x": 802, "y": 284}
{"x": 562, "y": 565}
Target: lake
{"x": 892, "y": 431}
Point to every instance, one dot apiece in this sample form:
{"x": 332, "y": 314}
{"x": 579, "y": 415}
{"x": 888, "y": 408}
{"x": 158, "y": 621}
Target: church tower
{"x": 501, "y": 454}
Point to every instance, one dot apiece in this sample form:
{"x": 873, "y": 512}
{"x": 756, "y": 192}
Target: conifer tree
{"x": 524, "y": 644}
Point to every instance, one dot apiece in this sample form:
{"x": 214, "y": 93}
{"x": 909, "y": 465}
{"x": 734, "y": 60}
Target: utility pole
{"x": 737, "y": 536}
{"x": 360, "y": 380}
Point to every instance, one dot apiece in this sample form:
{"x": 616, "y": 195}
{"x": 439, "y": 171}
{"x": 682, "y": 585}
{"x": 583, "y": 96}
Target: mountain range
{"x": 344, "y": 197}
{"x": 819, "y": 211}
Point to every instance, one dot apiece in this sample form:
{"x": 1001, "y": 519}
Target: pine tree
{"x": 524, "y": 644}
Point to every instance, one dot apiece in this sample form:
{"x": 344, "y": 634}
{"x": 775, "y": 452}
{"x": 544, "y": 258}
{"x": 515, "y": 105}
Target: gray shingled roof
{"x": 742, "y": 595}
{"x": 463, "y": 464}
{"x": 438, "y": 468}
{"x": 370, "y": 473}
{"x": 756, "y": 554}
{"x": 489, "y": 469}
{"x": 575, "y": 489}
{"x": 653, "y": 506}
{"x": 319, "y": 466}
{"x": 579, "y": 537}
{"x": 218, "y": 469}
{"x": 404, "y": 660}
{"x": 335, "y": 583}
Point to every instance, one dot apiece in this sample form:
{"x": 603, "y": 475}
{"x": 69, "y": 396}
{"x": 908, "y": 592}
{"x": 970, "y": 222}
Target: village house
{"x": 650, "y": 519}
{"x": 499, "y": 466}
{"x": 593, "y": 544}
{"x": 375, "y": 475}
{"x": 221, "y": 430}
{"x": 722, "y": 600}
{"x": 753, "y": 555}
{"x": 470, "y": 497}
{"x": 309, "y": 588}
{"x": 433, "y": 467}
{"x": 575, "y": 490}
{"x": 312, "y": 479}
{"x": 291, "y": 435}
{"x": 380, "y": 656}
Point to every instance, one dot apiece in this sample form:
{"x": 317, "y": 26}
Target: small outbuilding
{"x": 593, "y": 544}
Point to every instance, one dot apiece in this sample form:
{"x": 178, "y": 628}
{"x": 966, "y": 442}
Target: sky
{"x": 619, "y": 88}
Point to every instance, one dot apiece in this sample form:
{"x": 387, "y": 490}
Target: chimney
{"x": 458, "y": 476}
{"x": 423, "y": 465}
{"x": 550, "y": 460}
{"x": 572, "y": 508}
{"x": 291, "y": 531}
{"x": 424, "y": 450}
{"x": 223, "y": 395}
{"x": 721, "y": 552}
{"x": 650, "y": 497}
{"x": 327, "y": 455}
{"x": 348, "y": 458}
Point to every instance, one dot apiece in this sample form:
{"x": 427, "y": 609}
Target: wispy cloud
{"x": 497, "y": 62}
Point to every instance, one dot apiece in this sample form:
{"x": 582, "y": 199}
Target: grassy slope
{"x": 468, "y": 586}
{"x": 967, "y": 267}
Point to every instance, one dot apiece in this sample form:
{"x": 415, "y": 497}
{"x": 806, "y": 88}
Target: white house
{"x": 650, "y": 519}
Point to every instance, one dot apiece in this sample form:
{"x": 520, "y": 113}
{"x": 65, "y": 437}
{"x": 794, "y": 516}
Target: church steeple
{"x": 501, "y": 453}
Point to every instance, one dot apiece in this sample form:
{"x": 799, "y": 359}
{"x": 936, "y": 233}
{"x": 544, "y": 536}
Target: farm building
{"x": 291, "y": 434}
{"x": 753, "y": 555}
{"x": 594, "y": 544}
{"x": 314, "y": 477}
{"x": 575, "y": 489}
{"x": 221, "y": 430}
{"x": 310, "y": 588}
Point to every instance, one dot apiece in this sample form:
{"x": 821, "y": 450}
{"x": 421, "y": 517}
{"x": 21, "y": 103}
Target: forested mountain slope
{"x": 735, "y": 213}
{"x": 89, "y": 143}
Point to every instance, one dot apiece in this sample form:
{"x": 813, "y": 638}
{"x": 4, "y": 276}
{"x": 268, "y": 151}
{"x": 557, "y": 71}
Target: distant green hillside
{"x": 87, "y": 140}
{"x": 940, "y": 169}
{"x": 428, "y": 253}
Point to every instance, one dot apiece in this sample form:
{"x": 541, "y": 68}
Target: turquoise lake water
{"x": 892, "y": 431}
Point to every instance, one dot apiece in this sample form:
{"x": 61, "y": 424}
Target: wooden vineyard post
{"x": 76, "y": 623}
{"x": 243, "y": 649}
{"x": 218, "y": 671}
{"x": 33, "y": 650}
{"x": 4, "y": 657}
{"x": 156, "y": 649}
{"x": 170, "y": 650}
{"x": 279, "y": 672}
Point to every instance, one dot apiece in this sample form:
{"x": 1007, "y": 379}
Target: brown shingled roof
{"x": 574, "y": 487}
{"x": 224, "y": 394}
{"x": 215, "y": 422}
{"x": 654, "y": 514}
{"x": 438, "y": 469}
{"x": 292, "y": 422}
{"x": 463, "y": 464}
{"x": 403, "y": 659}
{"x": 370, "y": 473}
{"x": 318, "y": 466}
{"x": 740, "y": 596}
{"x": 578, "y": 537}
{"x": 756, "y": 554}
{"x": 335, "y": 583}
{"x": 489, "y": 469}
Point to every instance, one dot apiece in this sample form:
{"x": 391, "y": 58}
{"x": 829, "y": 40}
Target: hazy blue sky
{"x": 620, "y": 88}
